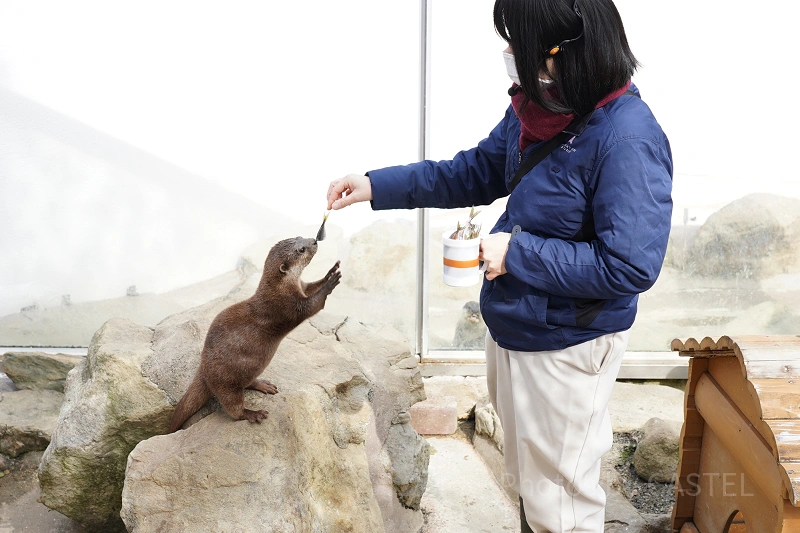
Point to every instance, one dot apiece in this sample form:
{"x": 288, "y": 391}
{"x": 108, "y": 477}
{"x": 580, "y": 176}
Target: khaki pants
{"x": 553, "y": 409}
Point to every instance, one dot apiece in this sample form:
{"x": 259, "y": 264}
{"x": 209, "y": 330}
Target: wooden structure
{"x": 739, "y": 468}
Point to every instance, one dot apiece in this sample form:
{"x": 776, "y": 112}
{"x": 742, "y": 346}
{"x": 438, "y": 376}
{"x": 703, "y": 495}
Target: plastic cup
{"x": 460, "y": 258}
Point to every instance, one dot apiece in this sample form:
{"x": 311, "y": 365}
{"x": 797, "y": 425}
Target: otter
{"x": 243, "y": 338}
{"x": 470, "y": 329}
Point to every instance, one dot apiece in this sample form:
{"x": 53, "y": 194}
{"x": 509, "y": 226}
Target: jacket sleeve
{"x": 632, "y": 209}
{"x": 472, "y": 177}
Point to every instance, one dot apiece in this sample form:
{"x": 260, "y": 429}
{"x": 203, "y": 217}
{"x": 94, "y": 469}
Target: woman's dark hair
{"x": 587, "y": 68}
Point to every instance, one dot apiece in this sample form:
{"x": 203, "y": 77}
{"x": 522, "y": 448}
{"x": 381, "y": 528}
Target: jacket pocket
{"x": 593, "y": 356}
{"x": 508, "y": 304}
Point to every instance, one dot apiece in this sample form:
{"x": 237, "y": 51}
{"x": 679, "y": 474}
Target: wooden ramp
{"x": 739, "y": 466}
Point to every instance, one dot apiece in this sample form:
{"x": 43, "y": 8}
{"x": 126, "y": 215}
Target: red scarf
{"x": 540, "y": 125}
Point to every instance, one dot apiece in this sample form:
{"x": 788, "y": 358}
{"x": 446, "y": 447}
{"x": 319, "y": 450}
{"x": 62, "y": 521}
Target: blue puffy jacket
{"x": 594, "y": 217}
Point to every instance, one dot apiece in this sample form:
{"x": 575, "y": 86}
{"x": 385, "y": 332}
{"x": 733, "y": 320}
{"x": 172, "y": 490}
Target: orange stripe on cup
{"x": 460, "y": 264}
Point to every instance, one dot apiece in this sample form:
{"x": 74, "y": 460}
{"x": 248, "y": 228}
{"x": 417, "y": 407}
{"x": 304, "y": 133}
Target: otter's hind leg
{"x": 233, "y": 402}
{"x": 264, "y": 386}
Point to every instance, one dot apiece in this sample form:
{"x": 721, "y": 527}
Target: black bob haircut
{"x": 595, "y": 61}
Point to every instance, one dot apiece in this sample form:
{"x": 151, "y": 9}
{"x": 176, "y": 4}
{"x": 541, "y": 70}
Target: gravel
{"x": 646, "y": 497}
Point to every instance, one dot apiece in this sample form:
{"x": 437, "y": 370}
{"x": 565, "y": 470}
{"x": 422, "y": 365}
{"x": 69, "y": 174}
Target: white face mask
{"x": 511, "y": 69}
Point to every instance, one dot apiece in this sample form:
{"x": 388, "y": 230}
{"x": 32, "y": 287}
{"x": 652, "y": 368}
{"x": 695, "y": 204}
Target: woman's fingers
{"x": 349, "y": 190}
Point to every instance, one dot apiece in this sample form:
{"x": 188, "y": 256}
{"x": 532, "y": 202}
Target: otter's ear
{"x": 284, "y": 268}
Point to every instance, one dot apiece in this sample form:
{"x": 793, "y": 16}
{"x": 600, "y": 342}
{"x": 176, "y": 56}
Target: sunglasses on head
{"x": 553, "y": 50}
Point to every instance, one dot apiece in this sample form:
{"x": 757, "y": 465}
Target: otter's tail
{"x": 196, "y": 395}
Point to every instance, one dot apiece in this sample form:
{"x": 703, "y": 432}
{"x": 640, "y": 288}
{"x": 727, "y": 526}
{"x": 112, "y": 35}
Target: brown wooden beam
{"x": 739, "y": 437}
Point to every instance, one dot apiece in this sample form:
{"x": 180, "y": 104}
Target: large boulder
{"x": 756, "y": 236}
{"x": 38, "y": 370}
{"x": 109, "y": 406}
{"x": 285, "y": 474}
{"x": 326, "y": 458}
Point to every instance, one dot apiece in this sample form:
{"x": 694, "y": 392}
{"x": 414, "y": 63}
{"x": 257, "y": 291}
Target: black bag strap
{"x": 573, "y": 128}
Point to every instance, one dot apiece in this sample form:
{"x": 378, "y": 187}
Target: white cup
{"x": 460, "y": 258}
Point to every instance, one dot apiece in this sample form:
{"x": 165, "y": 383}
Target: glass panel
{"x": 148, "y": 166}
{"x": 733, "y": 263}
{"x": 732, "y": 266}
{"x": 469, "y": 97}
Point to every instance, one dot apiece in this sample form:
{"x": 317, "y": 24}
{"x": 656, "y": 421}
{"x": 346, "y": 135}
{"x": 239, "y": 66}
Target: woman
{"x": 584, "y": 232}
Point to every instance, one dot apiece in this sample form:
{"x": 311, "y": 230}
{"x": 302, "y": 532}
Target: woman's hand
{"x": 493, "y": 253}
{"x": 349, "y": 190}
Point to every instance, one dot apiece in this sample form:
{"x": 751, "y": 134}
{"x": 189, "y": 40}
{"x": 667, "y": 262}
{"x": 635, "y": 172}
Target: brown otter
{"x": 243, "y": 338}
{"x": 470, "y": 329}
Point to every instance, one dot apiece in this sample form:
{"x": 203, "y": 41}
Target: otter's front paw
{"x": 332, "y": 279}
{"x": 255, "y": 416}
{"x": 333, "y": 269}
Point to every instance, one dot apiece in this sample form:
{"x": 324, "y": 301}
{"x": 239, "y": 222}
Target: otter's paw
{"x": 255, "y": 416}
{"x": 331, "y": 281}
{"x": 264, "y": 386}
{"x": 333, "y": 269}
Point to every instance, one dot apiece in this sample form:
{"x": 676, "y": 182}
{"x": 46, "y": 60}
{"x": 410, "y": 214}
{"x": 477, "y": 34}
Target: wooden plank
{"x": 685, "y": 507}
{"x": 726, "y": 489}
{"x": 787, "y": 437}
{"x": 779, "y": 398}
{"x": 677, "y": 523}
{"x": 690, "y": 460}
{"x": 692, "y": 419}
{"x": 791, "y": 519}
{"x": 768, "y": 347}
{"x": 773, "y": 370}
{"x": 791, "y": 478}
{"x": 696, "y": 369}
{"x": 691, "y": 441}
{"x": 684, "y": 345}
{"x": 728, "y": 374}
{"x": 735, "y": 432}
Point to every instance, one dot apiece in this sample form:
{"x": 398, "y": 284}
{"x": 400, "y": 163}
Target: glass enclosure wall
{"x": 151, "y": 155}
{"x": 733, "y": 263}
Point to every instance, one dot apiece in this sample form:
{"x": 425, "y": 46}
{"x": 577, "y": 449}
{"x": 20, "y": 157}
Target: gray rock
{"x": 754, "y": 237}
{"x": 488, "y": 443}
{"x": 6, "y": 385}
{"x": 621, "y": 515}
{"x": 657, "y": 523}
{"x": 27, "y": 420}
{"x": 409, "y": 463}
{"x": 37, "y": 370}
{"x": 467, "y": 390}
{"x": 487, "y": 423}
{"x": 342, "y": 385}
{"x": 656, "y": 455}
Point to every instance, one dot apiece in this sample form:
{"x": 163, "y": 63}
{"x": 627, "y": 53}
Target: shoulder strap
{"x": 536, "y": 157}
{"x": 543, "y": 151}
